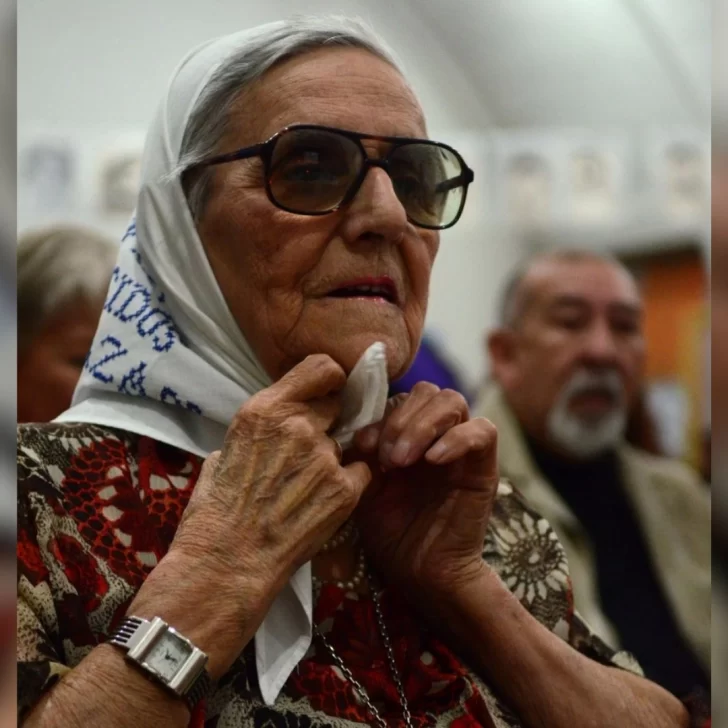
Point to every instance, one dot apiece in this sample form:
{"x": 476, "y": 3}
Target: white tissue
{"x": 364, "y": 396}
{"x": 285, "y": 634}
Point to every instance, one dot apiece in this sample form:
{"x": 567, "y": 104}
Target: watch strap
{"x": 126, "y": 631}
{"x": 199, "y": 689}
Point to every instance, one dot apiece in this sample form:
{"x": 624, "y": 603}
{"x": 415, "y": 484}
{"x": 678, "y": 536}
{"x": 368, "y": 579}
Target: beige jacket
{"x": 672, "y": 505}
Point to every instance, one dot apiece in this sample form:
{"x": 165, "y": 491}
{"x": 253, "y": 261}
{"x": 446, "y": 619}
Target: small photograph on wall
{"x": 120, "y": 176}
{"x": 47, "y": 176}
{"x": 685, "y": 180}
{"x": 530, "y": 188}
{"x": 592, "y": 180}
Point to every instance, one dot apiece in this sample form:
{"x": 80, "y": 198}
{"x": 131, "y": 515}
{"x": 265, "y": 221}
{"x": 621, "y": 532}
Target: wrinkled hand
{"x": 424, "y": 517}
{"x": 261, "y": 508}
{"x": 265, "y": 504}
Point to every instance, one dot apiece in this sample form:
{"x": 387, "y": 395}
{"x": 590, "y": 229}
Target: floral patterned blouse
{"x": 98, "y": 509}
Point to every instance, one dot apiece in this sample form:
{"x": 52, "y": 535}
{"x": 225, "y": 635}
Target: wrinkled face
{"x": 572, "y": 365}
{"x": 50, "y": 366}
{"x": 276, "y": 269}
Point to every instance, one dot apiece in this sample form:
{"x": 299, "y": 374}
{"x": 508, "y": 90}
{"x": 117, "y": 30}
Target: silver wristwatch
{"x": 167, "y": 656}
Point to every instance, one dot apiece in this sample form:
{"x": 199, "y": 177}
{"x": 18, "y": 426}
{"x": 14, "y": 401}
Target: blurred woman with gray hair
{"x": 63, "y": 276}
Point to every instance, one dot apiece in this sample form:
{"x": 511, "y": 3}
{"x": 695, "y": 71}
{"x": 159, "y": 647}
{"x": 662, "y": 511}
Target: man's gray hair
{"x": 210, "y": 117}
{"x": 57, "y": 265}
{"x": 514, "y": 300}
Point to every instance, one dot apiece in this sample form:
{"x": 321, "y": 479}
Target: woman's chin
{"x": 347, "y": 351}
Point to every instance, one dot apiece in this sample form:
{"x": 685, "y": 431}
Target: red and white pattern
{"x": 98, "y": 510}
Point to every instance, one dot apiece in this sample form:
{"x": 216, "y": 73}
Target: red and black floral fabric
{"x": 98, "y": 509}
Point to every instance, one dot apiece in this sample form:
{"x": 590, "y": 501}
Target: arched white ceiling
{"x": 477, "y": 63}
{"x": 580, "y": 62}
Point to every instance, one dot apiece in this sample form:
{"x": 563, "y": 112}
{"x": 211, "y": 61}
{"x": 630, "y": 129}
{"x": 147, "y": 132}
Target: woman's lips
{"x": 380, "y": 289}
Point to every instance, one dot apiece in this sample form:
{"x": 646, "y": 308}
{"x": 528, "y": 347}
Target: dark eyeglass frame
{"x": 265, "y": 151}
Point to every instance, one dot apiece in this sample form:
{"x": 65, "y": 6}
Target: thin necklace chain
{"x": 387, "y": 642}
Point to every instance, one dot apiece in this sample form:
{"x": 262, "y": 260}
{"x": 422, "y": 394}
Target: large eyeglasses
{"x": 314, "y": 170}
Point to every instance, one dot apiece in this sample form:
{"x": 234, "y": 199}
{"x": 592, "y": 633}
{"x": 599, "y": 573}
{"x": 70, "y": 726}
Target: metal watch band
{"x": 126, "y": 631}
{"x": 127, "y": 637}
{"x": 199, "y": 689}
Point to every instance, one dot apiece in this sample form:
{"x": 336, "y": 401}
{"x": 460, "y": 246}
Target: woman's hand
{"x": 277, "y": 491}
{"x": 261, "y": 508}
{"x": 435, "y": 476}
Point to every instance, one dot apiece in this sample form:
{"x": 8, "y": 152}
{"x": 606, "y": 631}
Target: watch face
{"x": 168, "y": 655}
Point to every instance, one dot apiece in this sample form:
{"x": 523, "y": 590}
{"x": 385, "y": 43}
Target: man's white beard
{"x": 583, "y": 437}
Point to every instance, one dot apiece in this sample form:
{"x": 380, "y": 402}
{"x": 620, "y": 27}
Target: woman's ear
{"x": 501, "y": 346}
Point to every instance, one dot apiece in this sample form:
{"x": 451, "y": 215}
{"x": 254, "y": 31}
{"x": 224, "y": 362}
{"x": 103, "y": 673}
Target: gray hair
{"x": 210, "y": 116}
{"x": 513, "y": 301}
{"x": 57, "y": 265}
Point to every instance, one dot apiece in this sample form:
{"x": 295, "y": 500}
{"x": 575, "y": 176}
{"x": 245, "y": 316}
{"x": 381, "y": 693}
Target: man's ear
{"x": 501, "y": 345}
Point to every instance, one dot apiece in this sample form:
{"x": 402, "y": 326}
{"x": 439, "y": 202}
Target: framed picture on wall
{"x": 116, "y": 171}
{"x": 120, "y": 176}
{"x": 678, "y": 164}
{"x": 528, "y": 179}
{"x": 596, "y": 171}
{"x": 686, "y": 186}
{"x": 47, "y": 176}
{"x": 529, "y": 182}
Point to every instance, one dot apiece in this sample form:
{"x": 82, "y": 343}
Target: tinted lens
{"x": 312, "y": 170}
{"x": 428, "y": 180}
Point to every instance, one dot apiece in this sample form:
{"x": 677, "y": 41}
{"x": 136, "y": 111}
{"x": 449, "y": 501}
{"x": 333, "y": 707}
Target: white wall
{"x": 90, "y": 69}
{"x": 102, "y": 64}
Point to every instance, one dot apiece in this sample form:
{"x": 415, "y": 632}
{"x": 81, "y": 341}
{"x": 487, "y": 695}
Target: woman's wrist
{"x": 217, "y": 612}
{"x": 543, "y": 678}
{"x": 452, "y": 596}
{"x": 105, "y": 690}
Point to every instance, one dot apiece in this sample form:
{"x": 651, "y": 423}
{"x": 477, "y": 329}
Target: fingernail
{"x": 437, "y": 452}
{"x": 401, "y": 452}
{"x": 385, "y": 453}
{"x": 368, "y": 438}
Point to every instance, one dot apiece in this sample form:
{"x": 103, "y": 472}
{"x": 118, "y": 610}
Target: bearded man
{"x": 566, "y": 364}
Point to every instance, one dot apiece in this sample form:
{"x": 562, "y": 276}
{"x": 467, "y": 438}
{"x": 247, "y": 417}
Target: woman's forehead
{"x": 349, "y": 88}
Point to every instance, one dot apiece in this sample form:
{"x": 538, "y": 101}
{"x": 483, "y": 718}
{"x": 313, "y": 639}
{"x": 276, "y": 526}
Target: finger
{"x": 324, "y": 411}
{"x": 366, "y": 440}
{"x": 330, "y": 446}
{"x": 316, "y": 376}
{"x": 404, "y": 411}
{"x": 397, "y": 401}
{"x": 338, "y": 450}
{"x": 346, "y": 488}
{"x": 359, "y": 476}
{"x": 478, "y": 436}
{"x": 441, "y": 413}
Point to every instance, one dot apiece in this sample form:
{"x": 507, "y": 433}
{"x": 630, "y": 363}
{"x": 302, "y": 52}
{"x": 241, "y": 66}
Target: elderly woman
{"x": 193, "y": 549}
{"x": 63, "y": 276}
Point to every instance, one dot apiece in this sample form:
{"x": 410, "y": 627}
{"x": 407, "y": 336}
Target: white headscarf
{"x": 170, "y": 362}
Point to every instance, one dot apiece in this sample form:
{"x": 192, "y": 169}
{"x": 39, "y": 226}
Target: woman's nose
{"x": 375, "y": 212}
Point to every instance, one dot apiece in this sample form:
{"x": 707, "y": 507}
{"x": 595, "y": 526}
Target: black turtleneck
{"x": 631, "y": 596}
